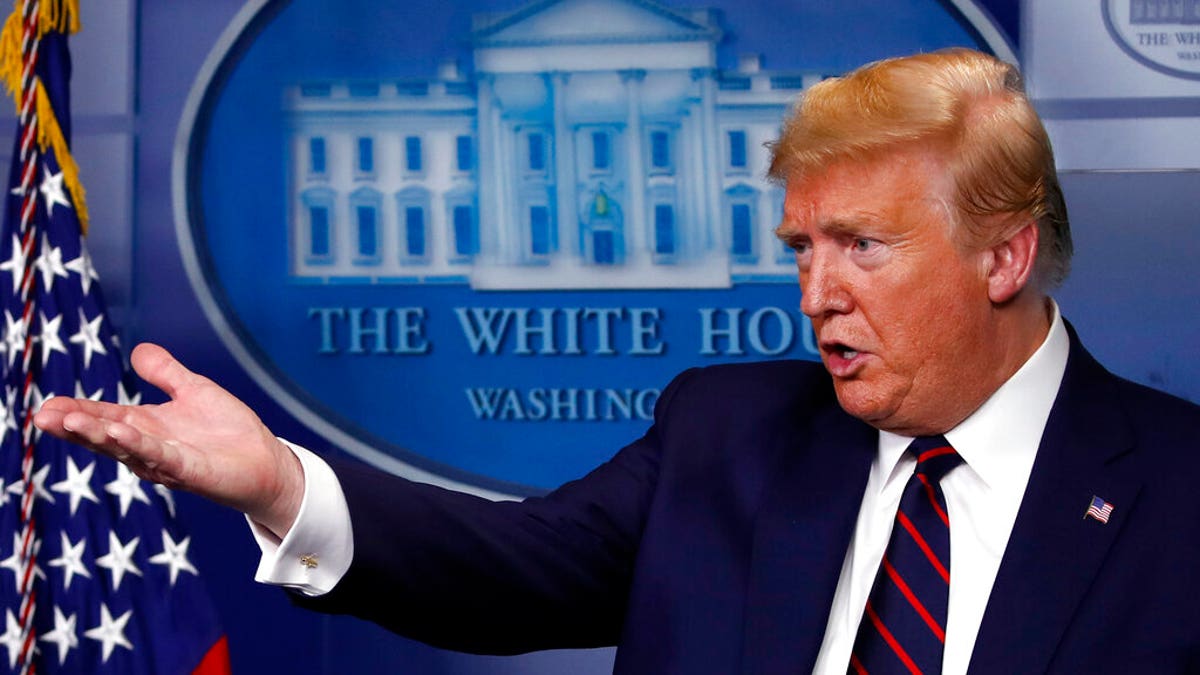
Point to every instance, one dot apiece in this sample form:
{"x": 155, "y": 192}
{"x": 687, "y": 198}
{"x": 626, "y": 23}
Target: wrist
{"x": 281, "y": 513}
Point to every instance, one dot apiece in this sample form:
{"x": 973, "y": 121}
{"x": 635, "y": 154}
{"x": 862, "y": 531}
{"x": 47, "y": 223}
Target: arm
{"x": 461, "y": 572}
{"x": 444, "y": 567}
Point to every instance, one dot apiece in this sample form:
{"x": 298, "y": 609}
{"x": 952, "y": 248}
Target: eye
{"x": 862, "y": 245}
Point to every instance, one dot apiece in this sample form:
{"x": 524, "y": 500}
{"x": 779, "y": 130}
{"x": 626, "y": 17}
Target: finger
{"x": 134, "y": 445}
{"x": 154, "y": 459}
{"x": 66, "y": 405}
{"x": 63, "y": 404}
{"x": 50, "y": 420}
{"x": 158, "y": 367}
{"x": 120, "y": 441}
{"x": 88, "y": 430}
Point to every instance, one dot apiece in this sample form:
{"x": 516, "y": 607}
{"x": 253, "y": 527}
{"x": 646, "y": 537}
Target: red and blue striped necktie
{"x": 903, "y": 629}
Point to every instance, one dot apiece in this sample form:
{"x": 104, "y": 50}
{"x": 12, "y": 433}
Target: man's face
{"x": 901, "y": 311}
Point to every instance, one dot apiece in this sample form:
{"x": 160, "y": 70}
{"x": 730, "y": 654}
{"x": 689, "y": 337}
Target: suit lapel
{"x": 1054, "y": 552}
{"x": 800, "y": 540}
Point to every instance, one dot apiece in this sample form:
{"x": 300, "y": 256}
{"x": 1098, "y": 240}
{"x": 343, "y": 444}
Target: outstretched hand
{"x": 204, "y": 440}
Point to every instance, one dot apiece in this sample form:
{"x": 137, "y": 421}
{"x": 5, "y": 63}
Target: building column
{"x": 639, "y": 241}
{"x": 711, "y": 214}
{"x": 567, "y": 211}
{"x": 491, "y": 222}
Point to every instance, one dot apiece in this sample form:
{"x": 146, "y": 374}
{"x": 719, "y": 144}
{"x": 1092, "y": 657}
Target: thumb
{"x": 156, "y": 366}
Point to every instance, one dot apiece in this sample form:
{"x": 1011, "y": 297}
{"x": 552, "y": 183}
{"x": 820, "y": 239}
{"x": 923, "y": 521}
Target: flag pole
{"x": 28, "y": 121}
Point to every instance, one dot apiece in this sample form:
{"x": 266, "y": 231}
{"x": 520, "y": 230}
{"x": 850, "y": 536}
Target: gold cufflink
{"x": 309, "y": 561}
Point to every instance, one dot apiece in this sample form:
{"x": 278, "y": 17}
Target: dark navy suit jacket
{"x": 714, "y": 543}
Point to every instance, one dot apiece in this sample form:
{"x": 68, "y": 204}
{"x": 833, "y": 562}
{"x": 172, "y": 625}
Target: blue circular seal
{"x": 1161, "y": 34}
{"x": 470, "y": 242}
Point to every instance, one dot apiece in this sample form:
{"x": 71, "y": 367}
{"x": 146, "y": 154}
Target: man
{"x": 751, "y": 528}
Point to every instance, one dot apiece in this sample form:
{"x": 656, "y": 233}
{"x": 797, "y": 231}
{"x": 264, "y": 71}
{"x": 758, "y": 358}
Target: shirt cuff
{"x": 316, "y": 552}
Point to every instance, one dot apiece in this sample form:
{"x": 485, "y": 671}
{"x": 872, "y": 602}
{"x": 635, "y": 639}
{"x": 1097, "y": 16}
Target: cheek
{"x": 917, "y": 327}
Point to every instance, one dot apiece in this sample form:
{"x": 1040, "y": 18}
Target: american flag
{"x": 1099, "y": 509}
{"x": 95, "y": 570}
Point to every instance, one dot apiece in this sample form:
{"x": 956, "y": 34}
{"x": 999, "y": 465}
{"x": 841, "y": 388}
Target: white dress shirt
{"x": 997, "y": 442}
{"x": 320, "y": 545}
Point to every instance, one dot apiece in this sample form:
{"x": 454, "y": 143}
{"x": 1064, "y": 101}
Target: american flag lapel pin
{"x": 1098, "y": 509}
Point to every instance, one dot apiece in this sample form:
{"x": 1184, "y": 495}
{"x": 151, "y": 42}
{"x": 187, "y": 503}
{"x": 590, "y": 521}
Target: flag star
{"x": 13, "y": 638}
{"x": 36, "y": 400}
{"x": 51, "y": 342}
{"x": 127, "y": 487}
{"x": 63, "y": 634}
{"x": 14, "y": 336}
{"x": 174, "y": 556}
{"x": 39, "y": 485}
{"x": 52, "y": 190}
{"x": 50, "y": 264}
{"x": 71, "y": 560}
{"x": 110, "y": 632}
{"x": 166, "y": 494}
{"x": 8, "y": 422}
{"x": 16, "y": 263}
{"x": 119, "y": 559}
{"x": 123, "y": 397}
{"x": 77, "y": 484}
{"x": 94, "y": 396}
{"x": 16, "y": 561}
{"x": 83, "y": 267}
{"x": 89, "y": 337}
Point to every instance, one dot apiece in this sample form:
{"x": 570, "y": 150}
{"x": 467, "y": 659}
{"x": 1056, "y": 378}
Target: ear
{"x": 1012, "y": 263}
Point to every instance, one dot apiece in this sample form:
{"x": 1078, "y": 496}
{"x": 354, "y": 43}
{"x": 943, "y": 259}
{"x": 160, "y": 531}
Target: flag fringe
{"x": 61, "y": 16}
{"x": 58, "y": 15}
{"x": 49, "y": 133}
{"x": 10, "y": 54}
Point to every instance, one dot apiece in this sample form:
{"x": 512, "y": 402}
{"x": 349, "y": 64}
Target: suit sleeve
{"x": 461, "y": 572}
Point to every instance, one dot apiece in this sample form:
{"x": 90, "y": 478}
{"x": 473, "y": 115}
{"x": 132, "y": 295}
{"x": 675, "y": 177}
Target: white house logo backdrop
{"x": 470, "y": 242}
{"x": 1162, "y": 34}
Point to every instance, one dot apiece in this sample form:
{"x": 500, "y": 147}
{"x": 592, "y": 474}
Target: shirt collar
{"x": 1000, "y": 439}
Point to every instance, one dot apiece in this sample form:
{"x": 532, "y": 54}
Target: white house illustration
{"x": 595, "y": 144}
{"x": 1164, "y": 11}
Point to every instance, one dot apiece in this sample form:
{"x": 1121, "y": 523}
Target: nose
{"x": 822, "y": 289}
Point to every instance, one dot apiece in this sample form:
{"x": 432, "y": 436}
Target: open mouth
{"x": 841, "y": 349}
{"x": 841, "y": 359}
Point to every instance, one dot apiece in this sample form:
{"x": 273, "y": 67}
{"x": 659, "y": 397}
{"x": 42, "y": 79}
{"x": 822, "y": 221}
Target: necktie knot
{"x": 935, "y": 456}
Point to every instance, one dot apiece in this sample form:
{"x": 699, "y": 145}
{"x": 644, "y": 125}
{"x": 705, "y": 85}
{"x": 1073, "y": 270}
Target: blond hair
{"x": 972, "y": 105}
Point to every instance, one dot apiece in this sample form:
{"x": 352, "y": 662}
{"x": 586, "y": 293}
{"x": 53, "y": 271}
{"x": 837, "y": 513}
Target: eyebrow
{"x": 860, "y": 225}
{"x": 788, "y": 238}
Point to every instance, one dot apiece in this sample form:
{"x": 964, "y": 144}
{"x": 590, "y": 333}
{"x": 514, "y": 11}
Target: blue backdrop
{"x": 1130, "y": 294}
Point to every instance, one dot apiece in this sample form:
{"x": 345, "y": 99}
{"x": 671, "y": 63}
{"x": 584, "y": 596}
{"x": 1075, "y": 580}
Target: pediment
{"x": 593, "y": 21}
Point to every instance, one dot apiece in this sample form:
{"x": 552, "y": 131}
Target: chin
{"x": 858, "y": 401}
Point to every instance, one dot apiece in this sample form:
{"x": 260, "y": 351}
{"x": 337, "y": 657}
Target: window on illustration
{"x": 366, "y": 155}
{"x": 412, "y": 153}
{"x": 414, "y": 231}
